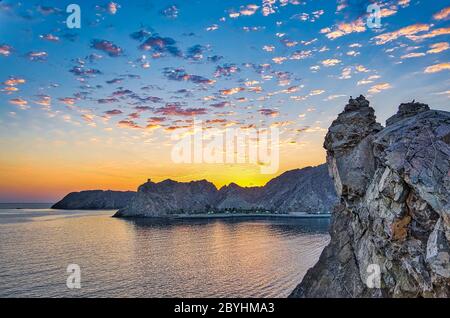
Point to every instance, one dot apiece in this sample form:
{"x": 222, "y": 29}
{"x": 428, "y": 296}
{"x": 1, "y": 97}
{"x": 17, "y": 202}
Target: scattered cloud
{"x": 5, "y": 50}
{"x": 37, "y": 55}
{"x": 403, "y": 32}
{"x": 171, "y": 11}
{"x": 49, "y": 37}
{"x": 438, "y": 47}
{"x": 19, "y": 102}
{"x": 437, "y": 67}
{"x": 231, "y": 91}
{"x": 443, "y": 14}
{"x": 344, "y": 28}
{"x": 330, "y": 62}
{"x": 269, "y": 112}
{"x": 175, "y": 109}
{"x": 379, "y": 87}
{"x": 179, "y": 74}
{"x": 412, "y": 55}
{"x": 107, "y": 46}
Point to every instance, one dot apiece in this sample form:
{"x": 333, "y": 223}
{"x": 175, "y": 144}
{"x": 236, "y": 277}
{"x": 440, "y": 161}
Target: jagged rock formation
{"x": 95, "y": 200}
{"x": 170, "y": 197}
{"x": 303, "y": 190}
{"x": 394, "y": 211}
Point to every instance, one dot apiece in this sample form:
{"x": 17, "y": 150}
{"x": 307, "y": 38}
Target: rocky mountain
{"x": 170, "y": 197}
{"x": 304, "y": 190}
{"x": 95, "y": 200}
{"x": 390, "y": 233}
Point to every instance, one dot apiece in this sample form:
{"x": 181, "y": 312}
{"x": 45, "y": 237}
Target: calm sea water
{"x": 149, "y": 258}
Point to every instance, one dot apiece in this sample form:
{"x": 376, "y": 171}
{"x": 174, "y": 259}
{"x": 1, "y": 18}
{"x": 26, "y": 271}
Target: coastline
{"x": 303, "y": 215}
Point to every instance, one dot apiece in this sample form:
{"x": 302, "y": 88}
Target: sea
{"x": 56, "y": 253}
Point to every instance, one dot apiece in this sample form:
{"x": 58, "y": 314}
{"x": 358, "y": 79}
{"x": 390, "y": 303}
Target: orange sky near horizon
{"x": 45, "y": 171}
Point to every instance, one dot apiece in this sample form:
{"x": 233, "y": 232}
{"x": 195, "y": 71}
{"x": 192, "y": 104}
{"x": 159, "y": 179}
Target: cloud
{"x": 171, "y": 11}
{"x": 332, "y": 97}
{"x": 49, "y": 37}
{"x": 412, "y": 55}
{"x": 110, "y": 7}
{"x": 107, "y": 46}
{"x": 179, "y": 74}
{"x": 300, "y": 55}
{"x": 432, "y": 34}
{"x": 128, "y": 124}
{"x": 312, "y": 17}
{"x": 44, "y": 100}
{"x": 156, "y": 120}
{"x": 122, "y": 92}
{"x": 175, "y": 109}
{"x": 5, "y": 50}
{"x": 70, "y": 101}
{"x": 159, "y": 44}
{"x": 48, "y": 10}
{"x": 404, "y": 3}
{"x": 437, "y": 67}
{"x": 113, "y": 112}
{"x": 249, "y": 9}
{"x": 37, "y": 55}
{"x": 443, "y": 14}
{"x": 268, "y": 48}
{"x": 438, "y": 47}
{"x": 18, "y": 101}
{"x": 195, "y": 52}
{"x": 220, "y": 104}
{"x": 379, "y": 87}
{"x": 346, "y": 73}
{"x": 269, "y": 112}
{"x": 316, "y": 92}
{"x": 13, "y": 81}
{"x": 387, "y": 12}
{"x": 114, "y": 81}
{"x": 231, "y": 91}
{"x": 403, "y": 32}
{"x": 226, "y": 70}
{"x": 212, "y": 27}
{"x": 81, "y": 71}
{"x": 107, "y": 100}
{"x": 89, "y": 118}
{"x": 344, "y": 29}
{"x": 140, "y": 35}
{"x": 279, "y": 59}
{"x": 330, "y": 62}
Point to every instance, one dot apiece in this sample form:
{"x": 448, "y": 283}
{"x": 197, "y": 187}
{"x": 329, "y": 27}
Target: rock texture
{"x": 95, "y": 200}
{"x": 303, "y": 190}
{"x": 394, "y": 211}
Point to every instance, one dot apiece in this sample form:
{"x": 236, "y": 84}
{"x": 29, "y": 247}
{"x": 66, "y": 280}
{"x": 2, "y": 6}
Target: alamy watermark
{"x": 373, "y": 279}
{"x": 74, "y": 279}
{"x": 374, "y": 16}
{"x": 199, "y": 144}
{"x": 73, "y": 21}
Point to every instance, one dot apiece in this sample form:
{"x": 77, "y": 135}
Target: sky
{"x": 95, "y": 107}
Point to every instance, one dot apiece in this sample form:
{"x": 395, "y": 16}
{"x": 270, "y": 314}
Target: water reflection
{"x": 158, "y": 258}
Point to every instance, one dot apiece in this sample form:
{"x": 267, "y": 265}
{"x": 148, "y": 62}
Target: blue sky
{"x": 137, "y": 70}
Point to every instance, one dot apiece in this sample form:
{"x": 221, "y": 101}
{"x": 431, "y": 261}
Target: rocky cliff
{"x": 390, "y": 233}
{"x": 305, "y": 190}
{"x": 95, "y": 200}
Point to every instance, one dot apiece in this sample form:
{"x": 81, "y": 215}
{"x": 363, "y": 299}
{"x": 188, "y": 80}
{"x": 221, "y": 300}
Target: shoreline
{"x": 299, "y": 215}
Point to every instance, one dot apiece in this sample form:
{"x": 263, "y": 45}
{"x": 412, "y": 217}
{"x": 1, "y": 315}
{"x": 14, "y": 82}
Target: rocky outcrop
{"x": 95, "y": 200}
{"x": 304, "y": 190}
{"x": 394, "y": 211}
{"x": 170, "y": 197}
